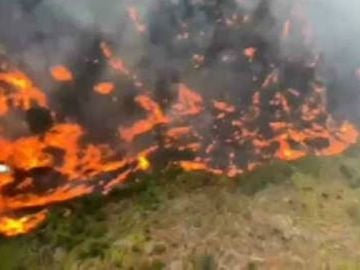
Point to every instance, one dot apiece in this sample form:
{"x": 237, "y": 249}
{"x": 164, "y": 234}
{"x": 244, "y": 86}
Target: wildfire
{"x": 189, "y": 128}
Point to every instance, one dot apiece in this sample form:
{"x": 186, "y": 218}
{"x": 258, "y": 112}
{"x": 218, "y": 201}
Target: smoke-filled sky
{"x": 335, "y": 22}
{"x": 39, "y": 34}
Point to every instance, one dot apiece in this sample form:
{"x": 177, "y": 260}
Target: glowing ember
{"x": 104, "y": 88}
{"x": 144, "y": 164}
{"x": 115, "y": 62}
{"x": 250, "y": 53}
{"x": 222, "y": 106}
{"x": 198, "y": 166}
{"x": 61, "y": 74}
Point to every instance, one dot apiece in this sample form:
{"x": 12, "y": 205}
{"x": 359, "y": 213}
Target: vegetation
{"x": 300, "y": 215}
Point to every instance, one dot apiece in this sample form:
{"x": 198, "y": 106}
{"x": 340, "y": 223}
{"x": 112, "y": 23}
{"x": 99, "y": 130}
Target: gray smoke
{"x": 39, "y": 34}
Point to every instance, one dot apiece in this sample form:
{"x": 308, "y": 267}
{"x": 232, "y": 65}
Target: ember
{"x": 276, "y": 108}
{"x": 104, "y": 88}
{"x": 61, "y": 73}
{"x": 144, "y": 164}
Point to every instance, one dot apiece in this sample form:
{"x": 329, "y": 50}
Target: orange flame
{"x": 115, "y": 62}
{"x": 104, "y": 88}
{"x": 189, "y": 102}
{"x": 61, "y": 74}
{"x": 24, "y": 93}
{"x": 250, "y": 52}
{"x": 15, "y": 226}
{"x": 144, "y": 163}
{"x": 155, "y": 117}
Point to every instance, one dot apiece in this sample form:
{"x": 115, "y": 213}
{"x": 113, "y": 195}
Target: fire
{"x": 104, "y": 88}
{"x": 286, "y": 153}
{"x": 61, "y": 73}
{"x": 5, "y": 177}
{"x": 198, "y": 166}
{"x": 114, "y": 61}
{"x": 144, "y": 163}
{"x": 15, "y": 226}
{"x": 4, "y": 168}
{"x": 223, "y": 106}
{"x": 29, "y": 153}
{"x": 178, "y": 132}
{"x": 192, "y": 166}
{"x": 189, "y": 102}
{"x": 154, "y": 118}
{"x": 250, "y": 53}
{"x": 23, "y": 93}
{"x": 195, "y": 130}
{"x": 17, "y": 79}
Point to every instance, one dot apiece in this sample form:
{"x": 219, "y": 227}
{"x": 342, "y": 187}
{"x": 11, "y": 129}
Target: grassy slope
{"x": 303, "y": 215}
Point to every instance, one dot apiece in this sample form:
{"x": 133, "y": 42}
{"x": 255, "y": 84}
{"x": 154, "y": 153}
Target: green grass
{"x": 120, "y": 231}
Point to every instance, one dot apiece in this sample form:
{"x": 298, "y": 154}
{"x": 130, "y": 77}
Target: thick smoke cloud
{"x": 337, "y": 37}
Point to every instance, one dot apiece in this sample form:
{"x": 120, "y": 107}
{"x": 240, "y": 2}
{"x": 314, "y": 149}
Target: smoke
{"x": 337, "y": 37}
{"x": 258, "y": 68}
{"x": 46, "y": 33}
{"x": 336, "y": 26}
